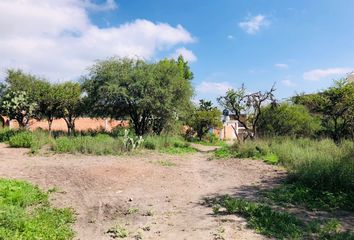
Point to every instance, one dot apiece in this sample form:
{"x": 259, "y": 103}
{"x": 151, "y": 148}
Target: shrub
{"x": 288, "y": 120}
{"x": 22, "y": 140}
{"x": 6, "y": 134}
{"x": 149, "y": 145}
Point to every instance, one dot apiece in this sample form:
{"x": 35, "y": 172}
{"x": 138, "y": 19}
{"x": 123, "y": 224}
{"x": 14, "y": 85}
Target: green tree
{"x": 287, "y": 120}
{"x": 17, "y": 105}
{"x": 21, "y": 96}
{"x": 151, "y": 95}
{"x": 335, "y": 106}
{"x": 68, "y": 103}
{"x": 247, "y": 107}
{"x": 204, "y": 118}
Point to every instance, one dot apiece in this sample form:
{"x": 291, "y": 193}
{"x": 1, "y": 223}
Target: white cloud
{"x": 281, "y": 65}
{"x": 187, "y": 54}
{"x": 288, "y": 83}
{"x": 57, "y": 39}
{"x": 254, "y": 24}
{"x": 317, "y": 74}
{"x": 213, "y": 87}
{"x": 108, "y": 5}
{"x": 230, "y": 37}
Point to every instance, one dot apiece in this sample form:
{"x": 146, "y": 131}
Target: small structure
{"x": 231, "y": 127}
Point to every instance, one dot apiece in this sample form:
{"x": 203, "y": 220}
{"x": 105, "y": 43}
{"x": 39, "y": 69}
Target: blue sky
{"x": 301, "y": 45}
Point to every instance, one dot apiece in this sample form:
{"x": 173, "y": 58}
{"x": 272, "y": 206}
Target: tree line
{"x": 153, "y": 96}
{"x": 156, "y": 97}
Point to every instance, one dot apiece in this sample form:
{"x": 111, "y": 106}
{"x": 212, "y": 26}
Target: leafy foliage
{"x": 150, "y": 94}
{"x": 335, "y": 106}
{"x": 204, "y": 118}
{"x": 287, "y": 120}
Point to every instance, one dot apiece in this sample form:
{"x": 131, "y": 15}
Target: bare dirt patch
{"x": 155, "y": 201}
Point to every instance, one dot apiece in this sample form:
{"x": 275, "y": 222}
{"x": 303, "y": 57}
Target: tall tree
{"x": 247, "y": 107}
{"x": 335, "y": 106}
{"x": 204, "y": 118}
{"x": 69, "y": 105}
{"x": 17, "y": 105}
{"x": 150, "y": 94}
{"x": 22, "y": 94}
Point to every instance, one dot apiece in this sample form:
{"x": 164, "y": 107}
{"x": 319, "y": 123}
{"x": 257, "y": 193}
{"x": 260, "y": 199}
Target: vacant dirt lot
{"x": 160, "y": 196}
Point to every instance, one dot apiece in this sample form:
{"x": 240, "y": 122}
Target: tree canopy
{"x": 204, "y": 118}
{"x": 335, "y": 106}
{"x": 150, "y": 94}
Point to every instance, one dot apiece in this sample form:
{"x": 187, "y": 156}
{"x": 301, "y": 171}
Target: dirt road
{"x": 154, "y": 196}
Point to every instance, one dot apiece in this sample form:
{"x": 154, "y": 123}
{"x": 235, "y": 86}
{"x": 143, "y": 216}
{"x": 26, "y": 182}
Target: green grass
{"x": 34, "y": 140}
{"x": 278, "y": 224}
{"x": 168, "y": 144}
{"x": 165, "y": 163}
{"x": 25, "y": 213}
{"x": 118, "y": 231}
{"x": 101, "y": 144}
{"x": 310, "y": 198}
{"x": 6, "y": 134}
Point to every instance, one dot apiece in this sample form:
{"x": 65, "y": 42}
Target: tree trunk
{"x": 70, "y": 122}
{"x": 50, "y": 122}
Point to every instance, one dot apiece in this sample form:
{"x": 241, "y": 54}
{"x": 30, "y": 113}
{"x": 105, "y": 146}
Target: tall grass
{"x": 318, "y": 164}
{"x": 100, "y": 144}
{"x": 168, "y": 144}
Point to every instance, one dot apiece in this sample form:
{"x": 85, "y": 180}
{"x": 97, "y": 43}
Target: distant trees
{"x": 287, "y": 120}
{"x": 247, "y": 107}
{"x": 150, "y": 94}
{"x": 26, "y": 96}
{"x": 335, "y": 107}
{"x": 204, "y": 118}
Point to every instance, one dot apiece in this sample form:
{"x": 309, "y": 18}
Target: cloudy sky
{"x": 301, "y": 45}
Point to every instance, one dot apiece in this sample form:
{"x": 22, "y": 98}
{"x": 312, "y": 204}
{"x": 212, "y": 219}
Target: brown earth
{"x": 141, "y": 193}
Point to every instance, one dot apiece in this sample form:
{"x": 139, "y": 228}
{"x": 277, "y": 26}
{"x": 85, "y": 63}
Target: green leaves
{"x": 151, "y": 94}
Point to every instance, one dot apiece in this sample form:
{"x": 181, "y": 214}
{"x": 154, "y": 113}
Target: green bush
{"x": 26, "y": 214}
{"x": 149, "y": 145}
{"x": 288, "y": 120}
{"x": 22, "y": 140}
{"x": 6, "y": 134}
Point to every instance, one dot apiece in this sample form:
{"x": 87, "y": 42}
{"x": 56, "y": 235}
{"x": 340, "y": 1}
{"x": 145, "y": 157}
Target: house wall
{"x": 81, "y": 124}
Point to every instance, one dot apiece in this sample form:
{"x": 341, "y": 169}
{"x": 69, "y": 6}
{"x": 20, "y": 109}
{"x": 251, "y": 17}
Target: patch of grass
{"x": 101, "y": 144}
{"x": 25, "y": 213}
{"x": 311, "y": 198}
{"x": 178, "y": 150}
{"x": 168, "y": 144}
{"x": 322, "y": 166}
{"x": 264, "y": 219}
{"x": 280, "y": 224}
{"x": 133, "y": 210}
{"x": 23, "y": 139}
{"x": 165, "y": 163}
{"x": 118, "y": 232}
{"x": 26, "y": 139}
{"x": 223, "y": 152}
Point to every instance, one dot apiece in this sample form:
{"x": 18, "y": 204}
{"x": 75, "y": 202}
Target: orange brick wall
{"x": 81, "y": 124}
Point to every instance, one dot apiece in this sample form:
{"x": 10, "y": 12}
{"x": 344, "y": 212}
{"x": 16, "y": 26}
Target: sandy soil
{"x": 139, "y": 193}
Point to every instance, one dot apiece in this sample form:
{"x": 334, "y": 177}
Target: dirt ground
{"x": 141, "y": 193}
